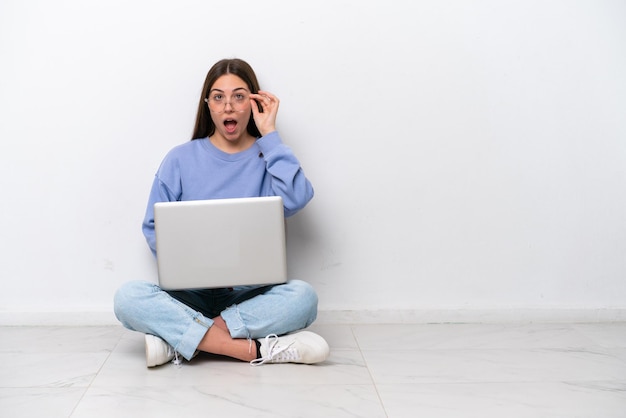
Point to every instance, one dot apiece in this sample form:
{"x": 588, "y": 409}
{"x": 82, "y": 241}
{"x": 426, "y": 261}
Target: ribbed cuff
{"x": 269, "y": 142}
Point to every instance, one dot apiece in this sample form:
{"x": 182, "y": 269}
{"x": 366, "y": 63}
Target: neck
{"x": 232, "y": 146}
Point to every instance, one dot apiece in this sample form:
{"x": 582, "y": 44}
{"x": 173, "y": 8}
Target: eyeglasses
{"x": 238, "y": 102}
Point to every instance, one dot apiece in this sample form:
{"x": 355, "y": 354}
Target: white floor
{"x": 442, "y": 370}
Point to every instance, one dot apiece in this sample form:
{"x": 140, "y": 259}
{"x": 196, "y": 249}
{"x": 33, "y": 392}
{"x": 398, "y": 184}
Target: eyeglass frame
{"x": 230, "y": 102}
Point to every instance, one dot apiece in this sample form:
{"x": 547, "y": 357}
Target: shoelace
{"x": 280, "y": 354}
{"x": 177, "y": 360}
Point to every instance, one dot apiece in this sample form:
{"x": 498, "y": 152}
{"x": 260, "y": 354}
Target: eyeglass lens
{"x": 217, "y": 102}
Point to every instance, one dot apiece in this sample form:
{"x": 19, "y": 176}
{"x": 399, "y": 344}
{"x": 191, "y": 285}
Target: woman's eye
{"x": 217, "y": 97}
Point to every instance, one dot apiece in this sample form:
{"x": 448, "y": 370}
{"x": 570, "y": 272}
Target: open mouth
{"x": 230, "y": 125}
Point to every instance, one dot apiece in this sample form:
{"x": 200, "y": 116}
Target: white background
{"x": 465, "y": 155}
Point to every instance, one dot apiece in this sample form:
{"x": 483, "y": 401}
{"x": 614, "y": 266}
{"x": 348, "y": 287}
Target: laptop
{"x": 219, "y": 243}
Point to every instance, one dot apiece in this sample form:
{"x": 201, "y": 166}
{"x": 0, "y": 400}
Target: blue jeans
{"x": 183, "y": 317}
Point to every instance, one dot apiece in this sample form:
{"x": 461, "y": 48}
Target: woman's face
{"x": 229, "y": 106}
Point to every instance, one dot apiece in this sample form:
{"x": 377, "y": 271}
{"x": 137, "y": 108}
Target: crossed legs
{"x": 217, "y": 340}
{"x": 238, "y": 317}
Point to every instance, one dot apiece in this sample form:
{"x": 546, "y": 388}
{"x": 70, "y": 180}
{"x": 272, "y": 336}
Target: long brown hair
{"x": 204, "y": 124}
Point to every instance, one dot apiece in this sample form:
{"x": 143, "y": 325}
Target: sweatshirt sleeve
{"x": 163, "y": 190}
{"x": 287, "y": 177}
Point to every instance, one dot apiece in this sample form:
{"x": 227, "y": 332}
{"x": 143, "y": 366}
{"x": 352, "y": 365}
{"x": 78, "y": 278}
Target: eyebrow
{"x": 234, "y": 90}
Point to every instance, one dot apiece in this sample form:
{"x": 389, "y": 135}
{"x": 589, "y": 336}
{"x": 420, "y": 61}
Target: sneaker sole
{"x": 151, "y": 347}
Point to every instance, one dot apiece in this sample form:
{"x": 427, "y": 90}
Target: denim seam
{"x": 235, "y": 323}
{"x": 190, "y": 340}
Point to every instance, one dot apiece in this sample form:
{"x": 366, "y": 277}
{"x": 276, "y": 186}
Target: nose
{"x": 226, "y": 109}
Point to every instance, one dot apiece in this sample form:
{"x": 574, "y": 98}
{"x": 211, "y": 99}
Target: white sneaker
{"x": 301, "y": 347}
{"x": 157, "y": 351}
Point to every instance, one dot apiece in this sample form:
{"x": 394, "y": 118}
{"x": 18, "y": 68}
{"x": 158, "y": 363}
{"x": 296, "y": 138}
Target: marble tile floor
{"x": 395, "y": 370}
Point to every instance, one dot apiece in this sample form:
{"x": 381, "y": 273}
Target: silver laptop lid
{"x": 220, "y": 243}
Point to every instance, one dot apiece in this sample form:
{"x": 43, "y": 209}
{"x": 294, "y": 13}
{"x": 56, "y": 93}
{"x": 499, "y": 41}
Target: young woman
{"x": 235, "y": 152}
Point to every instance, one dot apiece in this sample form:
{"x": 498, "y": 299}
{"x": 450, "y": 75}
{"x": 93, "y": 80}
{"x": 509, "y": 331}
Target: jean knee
{"x": 127, "y": 297}
{"x": 307, "y": 299}
{"x": 305, "y": 292}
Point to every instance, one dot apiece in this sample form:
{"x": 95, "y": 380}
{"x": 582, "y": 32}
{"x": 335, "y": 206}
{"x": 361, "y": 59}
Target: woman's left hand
{"x": 266, "y": 120}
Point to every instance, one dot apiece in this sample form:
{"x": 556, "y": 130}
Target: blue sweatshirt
{"x": 197, "y": 170}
